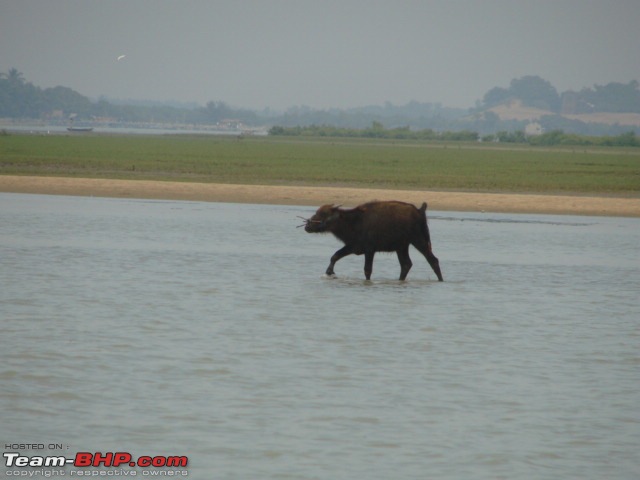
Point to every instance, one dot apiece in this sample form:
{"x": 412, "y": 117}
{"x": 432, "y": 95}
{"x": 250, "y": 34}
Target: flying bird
{"x": 120, "y": 57}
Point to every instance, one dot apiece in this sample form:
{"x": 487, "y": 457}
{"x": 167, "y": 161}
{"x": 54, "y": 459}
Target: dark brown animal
{"x": 376, "y": 227}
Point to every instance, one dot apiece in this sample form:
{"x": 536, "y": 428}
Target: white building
{"x": 533, "y": 129}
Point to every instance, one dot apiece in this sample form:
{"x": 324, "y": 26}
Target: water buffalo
{"x": 387, "y": 226}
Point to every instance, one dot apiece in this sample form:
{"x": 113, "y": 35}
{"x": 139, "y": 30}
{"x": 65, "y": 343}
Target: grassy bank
{"x": 343, "y": 162}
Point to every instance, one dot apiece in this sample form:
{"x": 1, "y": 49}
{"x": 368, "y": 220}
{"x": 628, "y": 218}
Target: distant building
{"x": 230, "y": 124}
{"x": 532, "y": 129}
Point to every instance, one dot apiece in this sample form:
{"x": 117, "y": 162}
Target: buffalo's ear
{"x": 335, "y": 213}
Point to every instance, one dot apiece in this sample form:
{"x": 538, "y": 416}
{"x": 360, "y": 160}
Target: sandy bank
{"x": 315, "y": 196}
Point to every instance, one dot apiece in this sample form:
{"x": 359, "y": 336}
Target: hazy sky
{"x": 320, "y": 53}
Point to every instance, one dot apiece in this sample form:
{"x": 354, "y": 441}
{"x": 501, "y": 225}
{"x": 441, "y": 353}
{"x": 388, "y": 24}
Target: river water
{"x": 207, "y": 330}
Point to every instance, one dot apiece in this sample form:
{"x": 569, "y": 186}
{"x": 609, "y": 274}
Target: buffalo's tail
{"x": 423, "y": 226}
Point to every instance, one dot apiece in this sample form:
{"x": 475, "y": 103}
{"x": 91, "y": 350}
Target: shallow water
{"x": 208, "y": 330}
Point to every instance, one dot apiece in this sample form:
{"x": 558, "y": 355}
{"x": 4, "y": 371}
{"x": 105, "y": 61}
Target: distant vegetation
{"x": 21, "y": 100}
{"x": 536, "y": 92}
{"x": 376, "y": 130}
{"x": 558, "y": 137}
{"x": 371, "y": 163}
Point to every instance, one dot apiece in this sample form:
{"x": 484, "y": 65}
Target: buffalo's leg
{"x": 368, "y": 264}
{"x": 435, "y": 264}
{"x": 405, "y": 262}
{"x": 424, "y": 248}
{"x": 343, "y": 252}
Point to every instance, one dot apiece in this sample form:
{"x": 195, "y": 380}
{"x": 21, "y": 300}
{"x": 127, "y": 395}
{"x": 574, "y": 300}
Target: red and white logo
{"x": 96, "y": 459}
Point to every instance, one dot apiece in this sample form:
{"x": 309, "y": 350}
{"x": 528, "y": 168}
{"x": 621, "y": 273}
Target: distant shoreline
{"x": 317, "y": 195}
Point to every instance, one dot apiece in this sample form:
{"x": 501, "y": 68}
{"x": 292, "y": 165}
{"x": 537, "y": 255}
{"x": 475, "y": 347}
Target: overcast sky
{"x": 320, "y": 53}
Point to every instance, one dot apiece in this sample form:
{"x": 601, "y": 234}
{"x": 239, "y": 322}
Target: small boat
{"x": 80, "y": 129}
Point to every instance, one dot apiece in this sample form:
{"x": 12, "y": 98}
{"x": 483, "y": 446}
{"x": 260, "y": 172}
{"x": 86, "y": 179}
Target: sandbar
{"x": 319, "y": 195}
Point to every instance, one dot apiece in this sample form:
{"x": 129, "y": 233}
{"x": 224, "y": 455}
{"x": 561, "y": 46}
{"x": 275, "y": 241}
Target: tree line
{"x": 534, "y": 91}
{"x": 20, "y": 99}
{"x": 377, "y": 130}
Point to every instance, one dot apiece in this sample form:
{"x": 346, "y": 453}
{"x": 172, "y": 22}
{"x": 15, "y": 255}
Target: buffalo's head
{"x": 323, "y": 219}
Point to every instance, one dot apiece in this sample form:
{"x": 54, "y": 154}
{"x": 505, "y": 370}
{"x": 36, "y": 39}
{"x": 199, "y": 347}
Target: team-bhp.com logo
{"x": 96, "y": 459}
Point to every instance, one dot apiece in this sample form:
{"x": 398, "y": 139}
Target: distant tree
{"x": 613, "y": 97}
{"x": 536, "y": 92}
{"x": 627, "y": 139}
{"x": 490, "y": 120}
{"x": 511, "y": 137}
{"x": 216, "y": 111}
{"x": 14, "y": 77}
{"x": 66, "y": 99}
{"x": 495, "y": 96}
{"x": 531, "y": 90}
{"x": 17, "y": 97}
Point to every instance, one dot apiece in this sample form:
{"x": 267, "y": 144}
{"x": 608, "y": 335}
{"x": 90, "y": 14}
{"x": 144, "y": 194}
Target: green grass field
{"x": 326, "y": 161}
